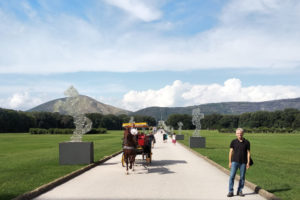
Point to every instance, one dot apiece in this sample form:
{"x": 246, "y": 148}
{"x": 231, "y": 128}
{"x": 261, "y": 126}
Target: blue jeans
{"x": 234, "y": 167}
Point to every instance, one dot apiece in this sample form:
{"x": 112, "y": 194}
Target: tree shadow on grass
{"x": 210, "y": 148}
{"x": 257, "y": 188}
{"x": 7, "y": 196}
{"x": 280, "y": 190}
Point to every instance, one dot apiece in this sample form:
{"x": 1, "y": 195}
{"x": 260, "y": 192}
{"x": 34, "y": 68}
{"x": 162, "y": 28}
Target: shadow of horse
{"x": 167, "y": 162}
{"x": 160, "y": 170}
{"x": 159, "y": 166}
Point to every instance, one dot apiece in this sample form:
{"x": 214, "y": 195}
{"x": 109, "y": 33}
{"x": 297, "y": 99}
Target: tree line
{"x": 18, "y": 121}
{"x": 284, "y": 119}
{"x": 12, "y": 121}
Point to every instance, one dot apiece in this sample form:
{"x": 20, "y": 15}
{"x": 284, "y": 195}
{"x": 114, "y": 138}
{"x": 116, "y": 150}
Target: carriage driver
{"x": 134, "y": 131}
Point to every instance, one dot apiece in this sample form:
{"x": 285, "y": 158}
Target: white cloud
{"x": 186, "y": 94}
{"x": 22, "y": 101}
{"x": 250, "y": 33}
{"x": 17, "y": 99}
{"x": 138, "y": 8}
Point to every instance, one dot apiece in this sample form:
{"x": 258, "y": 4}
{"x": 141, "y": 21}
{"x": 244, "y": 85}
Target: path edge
{"x": 48, "y": 186}
{"x": 256, "y": 188}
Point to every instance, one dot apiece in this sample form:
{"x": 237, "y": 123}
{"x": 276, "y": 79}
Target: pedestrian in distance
{"x": 239, "y": 158}
{"x": 174, "y": 138}
{"x": 165, "y": 137}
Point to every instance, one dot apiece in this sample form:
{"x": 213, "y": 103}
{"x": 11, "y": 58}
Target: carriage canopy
{"x": 136, "y": 125}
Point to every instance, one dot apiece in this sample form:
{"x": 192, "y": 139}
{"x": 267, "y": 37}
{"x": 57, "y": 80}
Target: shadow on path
{"x": 160, "y": 170}
{"x": 113, "y": 163}
{"x": 167, "y": 162}
{"x": 250, "y": 193}
{"x": 160, "y": 166}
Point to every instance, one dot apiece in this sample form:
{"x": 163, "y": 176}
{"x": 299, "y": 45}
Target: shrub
{"x": 97, "y": 131}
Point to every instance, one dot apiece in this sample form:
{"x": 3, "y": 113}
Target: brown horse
{"x": 129, "y": 149}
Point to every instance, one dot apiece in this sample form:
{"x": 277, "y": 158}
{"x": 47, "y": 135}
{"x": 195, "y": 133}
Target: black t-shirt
{"x": 240, "y": 150}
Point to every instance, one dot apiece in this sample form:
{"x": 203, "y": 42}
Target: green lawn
{"x": 29, "y": 161}
{"x": 276, "y": 159}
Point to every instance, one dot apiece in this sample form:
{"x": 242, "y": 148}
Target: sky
{"x": 134, "y": 54}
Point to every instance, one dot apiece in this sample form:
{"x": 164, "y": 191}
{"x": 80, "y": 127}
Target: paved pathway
{"x": 175, "y": 173}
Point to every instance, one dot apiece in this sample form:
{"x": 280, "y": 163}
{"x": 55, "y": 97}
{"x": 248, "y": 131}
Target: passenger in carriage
{"x": 152, "y": 139}
{"x": 147, "y": 145}
{"x": 134, "y": 132}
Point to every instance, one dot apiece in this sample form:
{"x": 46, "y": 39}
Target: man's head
{"x": 239, "y": 133}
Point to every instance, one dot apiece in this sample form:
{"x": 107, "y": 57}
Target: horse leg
{"x": 126, "y": 157}
{"x": 130, "y": 160}
{"x": 133, "y": 161}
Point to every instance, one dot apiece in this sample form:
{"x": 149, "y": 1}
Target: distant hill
{"x": 221, "y": 108}
{"x": 90, "y": 105}
{"x": 86, "y": 104}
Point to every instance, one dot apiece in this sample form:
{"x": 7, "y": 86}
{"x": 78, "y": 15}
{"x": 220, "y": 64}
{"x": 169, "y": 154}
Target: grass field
{"x": 276, "y": 159}
{"x": 29, "y": 161}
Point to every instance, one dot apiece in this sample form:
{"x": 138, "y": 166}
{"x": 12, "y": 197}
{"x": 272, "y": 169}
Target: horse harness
{"x": 128, "y": 147}
{"x": 125, "y": 146}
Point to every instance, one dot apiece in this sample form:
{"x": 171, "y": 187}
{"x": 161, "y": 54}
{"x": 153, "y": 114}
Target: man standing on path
{"x": 239, "y": 157}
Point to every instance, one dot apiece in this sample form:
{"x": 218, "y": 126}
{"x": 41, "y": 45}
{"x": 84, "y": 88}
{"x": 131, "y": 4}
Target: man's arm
{"x": 248, "y": 159}
{"x": 230, "y": 156}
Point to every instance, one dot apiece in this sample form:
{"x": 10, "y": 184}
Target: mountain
{"x": 85, "y": 104}
{"x": 89, "y": 105}
{"x": 221, "y": 108}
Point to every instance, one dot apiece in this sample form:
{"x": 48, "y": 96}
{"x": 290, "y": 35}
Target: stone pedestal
{"x": 73, "y": 153}
{"x": 180, "y": 137}
{"x": 197, "y": 142}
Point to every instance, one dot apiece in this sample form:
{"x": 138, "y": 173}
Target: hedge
{"x": 64, "y": 131}
{"x": 258, "y": 130}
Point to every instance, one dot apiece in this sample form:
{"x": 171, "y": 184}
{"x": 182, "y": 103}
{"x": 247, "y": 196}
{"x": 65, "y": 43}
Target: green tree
{"x": 211, "y": 121}
{"x": 184, "y": 118}
{"x": 229, "y": 121}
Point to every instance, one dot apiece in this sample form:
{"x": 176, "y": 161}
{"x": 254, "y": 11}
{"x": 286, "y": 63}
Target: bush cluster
{"x": 259, "y": 130}
{"x": 97, "y": 131}
{"x": 64, "y": 131}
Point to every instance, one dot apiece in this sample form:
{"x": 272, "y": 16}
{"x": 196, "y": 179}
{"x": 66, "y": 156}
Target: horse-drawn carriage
{"x": 142, "y": 141}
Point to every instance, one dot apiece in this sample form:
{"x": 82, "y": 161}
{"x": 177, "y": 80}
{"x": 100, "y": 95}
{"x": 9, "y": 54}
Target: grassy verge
{"x": 29, "y": 161}
{"x": 276, "y": 159}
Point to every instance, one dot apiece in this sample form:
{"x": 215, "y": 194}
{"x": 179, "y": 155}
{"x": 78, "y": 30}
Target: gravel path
{"x": 175, "y": 173}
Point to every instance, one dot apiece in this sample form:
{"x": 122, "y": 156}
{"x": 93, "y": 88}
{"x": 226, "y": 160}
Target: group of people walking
{"x": 165, "y": 137}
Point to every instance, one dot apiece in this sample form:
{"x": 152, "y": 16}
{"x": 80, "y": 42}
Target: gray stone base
{"x": 197, "y": 142}
{"x": 73, "y": 153}
{"x": 180, "y": 137}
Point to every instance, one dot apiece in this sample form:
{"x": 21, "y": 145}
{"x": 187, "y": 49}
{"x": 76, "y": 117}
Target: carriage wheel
{"x": 123, "y": 160}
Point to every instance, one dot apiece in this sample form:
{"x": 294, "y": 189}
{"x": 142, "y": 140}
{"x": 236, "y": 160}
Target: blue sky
{"x": 137, "y": 53}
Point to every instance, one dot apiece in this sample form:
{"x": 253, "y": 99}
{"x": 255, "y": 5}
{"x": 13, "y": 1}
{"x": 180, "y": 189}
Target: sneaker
{"x": 240, "y": 194}
{"x": 230, "y": 194}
